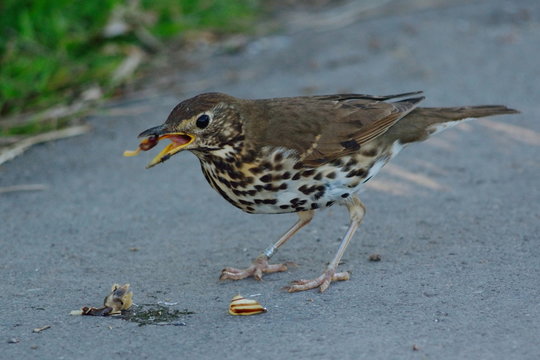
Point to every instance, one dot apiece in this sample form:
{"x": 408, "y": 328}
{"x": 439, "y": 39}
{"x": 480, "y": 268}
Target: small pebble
{"x": 375, "y": 257}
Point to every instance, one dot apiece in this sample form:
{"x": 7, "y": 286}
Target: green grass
{"x": 51, "y": 50}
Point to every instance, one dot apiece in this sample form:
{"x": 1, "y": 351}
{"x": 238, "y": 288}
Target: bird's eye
{"x": 203, "y": 121}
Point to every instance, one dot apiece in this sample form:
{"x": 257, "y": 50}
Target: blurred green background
{"x": 51, "y": 51}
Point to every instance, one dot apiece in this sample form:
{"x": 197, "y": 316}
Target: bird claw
{"x": 259, "y": 266}
{"x": 322, "y": 282}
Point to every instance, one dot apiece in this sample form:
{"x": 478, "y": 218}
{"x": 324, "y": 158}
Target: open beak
{"x": 151, "y": 138}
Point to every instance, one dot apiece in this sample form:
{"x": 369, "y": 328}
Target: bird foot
{"x": 259, "y": 266}
{"x": 322, "y": 282}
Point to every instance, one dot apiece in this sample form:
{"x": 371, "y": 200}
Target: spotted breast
{"x": 299, "y": 154}
{"x": 277, "y": 181}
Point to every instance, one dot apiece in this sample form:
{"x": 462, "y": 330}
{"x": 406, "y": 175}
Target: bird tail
{"x": 422, "y": 122}
{"x": 439, "y": 115}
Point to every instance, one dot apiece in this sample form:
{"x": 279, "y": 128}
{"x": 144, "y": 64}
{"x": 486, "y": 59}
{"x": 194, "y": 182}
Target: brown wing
{"x": 322, "y": 128}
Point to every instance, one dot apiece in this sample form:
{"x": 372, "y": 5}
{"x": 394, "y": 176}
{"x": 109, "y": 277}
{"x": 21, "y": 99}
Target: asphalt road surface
{"x": 456, "y": 220}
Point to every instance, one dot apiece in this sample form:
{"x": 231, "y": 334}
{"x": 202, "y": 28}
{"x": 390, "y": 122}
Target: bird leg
{"x": 357, "y": 210}
{"x": 260, "y": 264}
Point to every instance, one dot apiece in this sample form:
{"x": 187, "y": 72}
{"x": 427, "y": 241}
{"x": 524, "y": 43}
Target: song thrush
{"x": 298, "y": 154}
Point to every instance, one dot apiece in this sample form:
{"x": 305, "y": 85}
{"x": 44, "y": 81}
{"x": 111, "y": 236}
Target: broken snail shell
{"x": 241, "y": 306}
{"x": 120, "y": 298}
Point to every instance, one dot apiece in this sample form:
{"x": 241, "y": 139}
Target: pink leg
{"x": 260, "y": 265}
{"x": 357, "y": 211}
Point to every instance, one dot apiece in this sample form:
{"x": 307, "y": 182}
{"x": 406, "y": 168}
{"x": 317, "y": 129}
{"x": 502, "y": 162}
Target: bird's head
{"x": 206, "y": 122}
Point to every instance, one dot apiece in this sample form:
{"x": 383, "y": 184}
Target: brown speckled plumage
{"x": 300, "y": 154}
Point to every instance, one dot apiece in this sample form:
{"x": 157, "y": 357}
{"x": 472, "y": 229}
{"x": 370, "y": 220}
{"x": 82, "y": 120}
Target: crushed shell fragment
{"x": 120, "y": 298}
{"x": 241, "y": 306}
